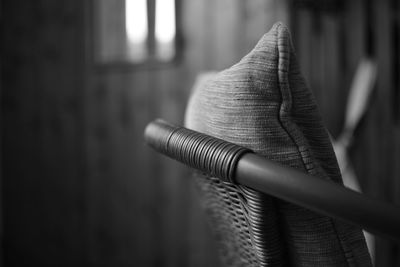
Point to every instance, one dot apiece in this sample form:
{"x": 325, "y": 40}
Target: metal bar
{"x": 233, "y": 163}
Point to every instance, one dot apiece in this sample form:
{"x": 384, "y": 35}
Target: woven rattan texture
{"x": 238, "y": 217}
{"x": 199, "y": 151}
{"x": 263, "y": 103}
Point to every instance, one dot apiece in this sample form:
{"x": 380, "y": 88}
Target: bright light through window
{"x": 165, "y": 21}
{"x": 165, "y": 29}
{"x": 136, "y": 28}
{"x": 142, "y": 32}
{"x": 136, "y": 20}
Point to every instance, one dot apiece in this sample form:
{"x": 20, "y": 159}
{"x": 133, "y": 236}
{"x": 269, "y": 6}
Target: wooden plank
{"x": 120, "y": 199}
{"x": 256, "y": 19}
{"x": 173, "y": 184}
{"x": 43, "y": 197}
{"x": 302, "y": 24}
{"x": 333, "y": 98}
{"x": 383, "y": 133}
{"x": 396, "y": 127}
{"x": 1, "y": 148}
{"x": 200, "y": 247}
{"x": 197, "y": 31}
{"x": 395, "y": 6}
{"x": 318, "y": 61}
{"x": 282, "y": 11}
{"x": 355, "y": 24}
{"x": 355, "y": 35}
{"x": 226, "y": 36}
{"x": 396, "y": 185}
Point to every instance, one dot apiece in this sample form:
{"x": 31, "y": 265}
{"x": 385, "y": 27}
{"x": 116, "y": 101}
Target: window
{"x": 135, "y": 31}
{"x": 165, "y": 28}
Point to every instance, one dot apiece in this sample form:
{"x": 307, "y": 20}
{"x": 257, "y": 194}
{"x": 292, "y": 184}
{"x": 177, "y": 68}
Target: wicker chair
{"x": 263, "y": 104}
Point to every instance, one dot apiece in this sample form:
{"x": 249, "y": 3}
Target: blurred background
{"x": 80, "y": 79}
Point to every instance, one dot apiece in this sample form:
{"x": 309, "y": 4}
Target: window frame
{"x": 151, "y": 62}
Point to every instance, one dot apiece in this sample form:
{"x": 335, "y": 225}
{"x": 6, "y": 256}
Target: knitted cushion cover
{"x": 263, "y": 103}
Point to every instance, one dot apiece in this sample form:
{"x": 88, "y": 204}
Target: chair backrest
{"x": 263, "y": 103}
{"x": 240, "y": 219}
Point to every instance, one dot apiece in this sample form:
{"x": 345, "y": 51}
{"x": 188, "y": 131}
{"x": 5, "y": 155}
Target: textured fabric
{"x": 263, "y": 103}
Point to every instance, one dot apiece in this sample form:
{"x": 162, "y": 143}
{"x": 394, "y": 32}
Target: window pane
{"x": 136, "y": 29}
{"x": 165, "y": 29}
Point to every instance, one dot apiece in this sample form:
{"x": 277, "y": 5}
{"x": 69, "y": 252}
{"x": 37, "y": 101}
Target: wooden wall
{"x": 331, "y": 38}
{"x": 141, "y": 207}
{"x": 80, "y": 187}
{"x": 42, "y": 122}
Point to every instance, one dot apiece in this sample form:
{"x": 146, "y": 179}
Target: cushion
{"x": 263, "y": 103}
